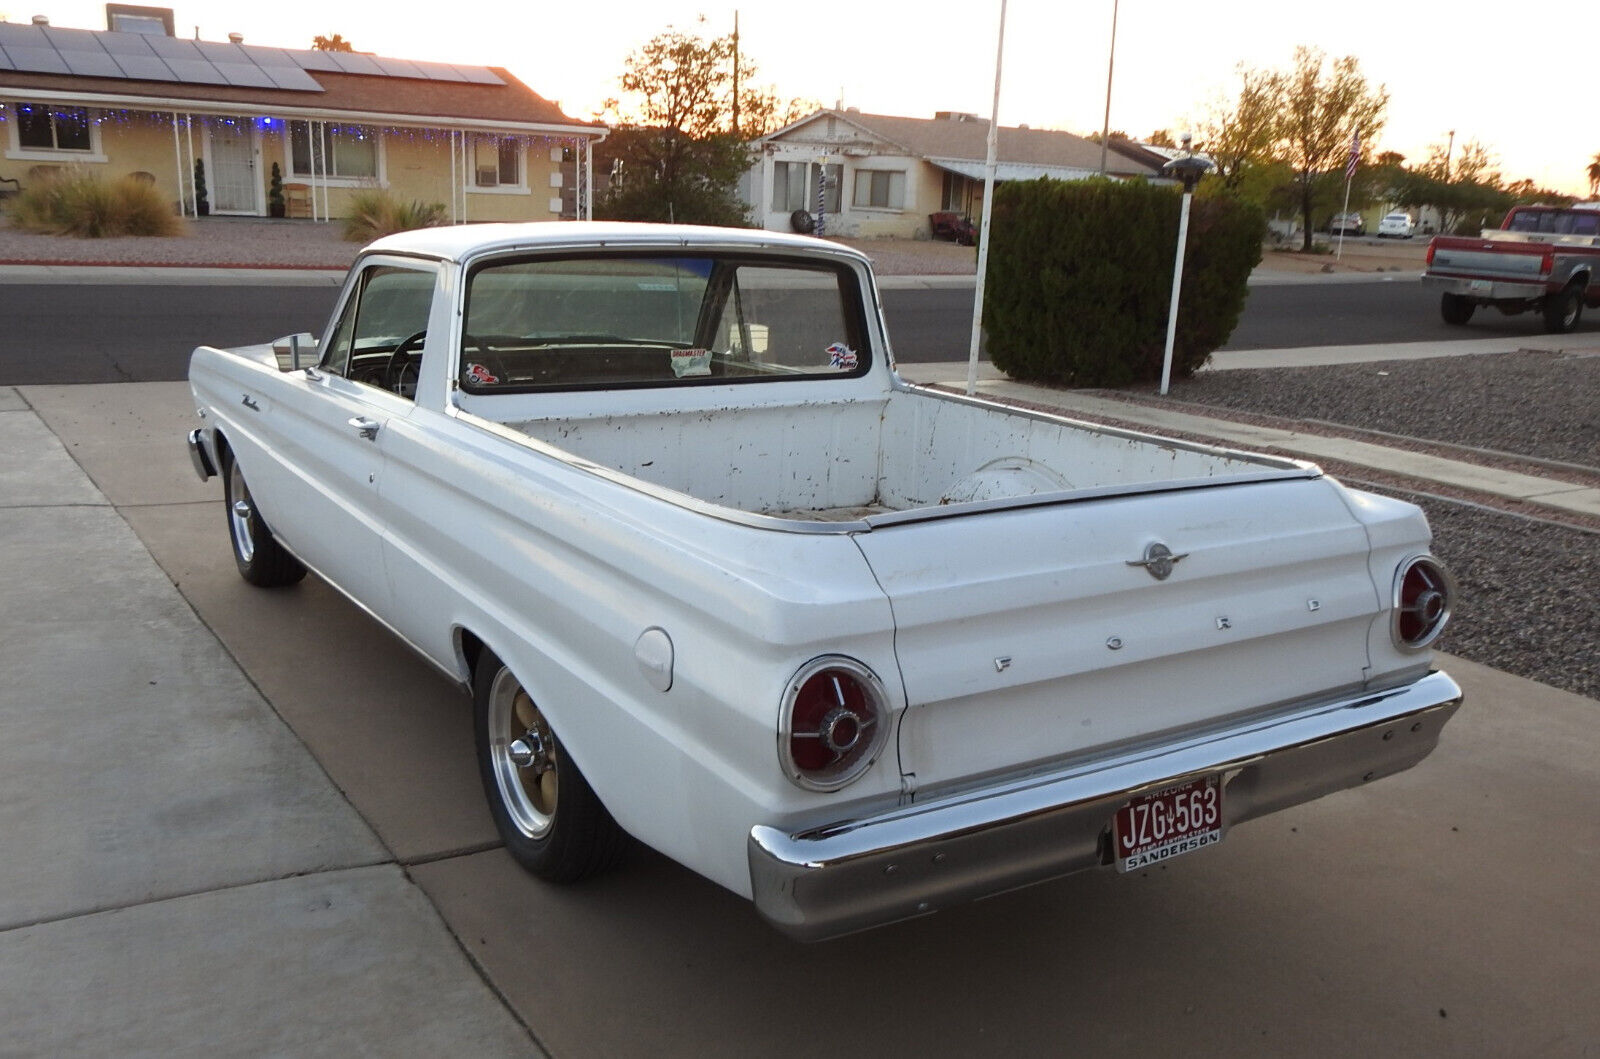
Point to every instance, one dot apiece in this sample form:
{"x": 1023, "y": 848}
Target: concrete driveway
{"x": 251, "y": 823}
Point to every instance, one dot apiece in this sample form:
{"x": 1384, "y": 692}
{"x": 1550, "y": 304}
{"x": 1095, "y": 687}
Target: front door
{"x": 234, "y": 187}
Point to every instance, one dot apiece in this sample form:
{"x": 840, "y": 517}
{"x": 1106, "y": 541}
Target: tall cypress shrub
{"x": 1080, "y": 274}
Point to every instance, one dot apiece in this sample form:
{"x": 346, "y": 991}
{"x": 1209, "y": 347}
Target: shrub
{"x": 1080, "y": 274}
{"x": 81, "y": 204}
{"x": 375, "y": 213}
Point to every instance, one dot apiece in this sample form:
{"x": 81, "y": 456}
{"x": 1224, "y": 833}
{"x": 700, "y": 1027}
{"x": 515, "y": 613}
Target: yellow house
{"x": 136, "y": 100}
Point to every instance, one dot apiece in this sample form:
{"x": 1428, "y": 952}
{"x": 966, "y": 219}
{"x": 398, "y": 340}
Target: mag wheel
{"x": 552, "y": 822}
{"x": 262, "y": 561}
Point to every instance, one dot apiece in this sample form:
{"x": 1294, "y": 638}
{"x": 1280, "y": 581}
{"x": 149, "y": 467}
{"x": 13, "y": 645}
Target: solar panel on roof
{"x": 397, "y": 67}
{"x": 438, "y": 71}
{"x": 91, "y": 64}
{"x": 195, "y": 72}
{"x": 36, "y": 60}
{"x": 356, "y": 63}
{"x": 65, "y": 40}
{"x": 136, "y": 56}
{"x": 292, "y": 77}
{"x": 22, "y": 36}
{"x": 176, "y": 47}
{"x": 144, "y": 68}
{"x": 126, "y": 43}
{"x": 315, "y": 60}
{"x": 245, "y": 75}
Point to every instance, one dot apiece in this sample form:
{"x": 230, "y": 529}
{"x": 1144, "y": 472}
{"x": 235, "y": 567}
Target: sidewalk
{"x": 177, "y": 873}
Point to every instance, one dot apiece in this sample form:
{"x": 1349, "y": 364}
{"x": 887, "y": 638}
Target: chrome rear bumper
{"x": 199, "y": 456}
{"x": 1492, "y": 290}
{"x": 910, "y": 861}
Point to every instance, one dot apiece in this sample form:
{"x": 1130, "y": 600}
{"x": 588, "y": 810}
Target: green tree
{"x": 1323, "y": 106}
{"x": 675, "y": 154}
{"x": 333, "y": 43}
{"x": 1241, "y": 135}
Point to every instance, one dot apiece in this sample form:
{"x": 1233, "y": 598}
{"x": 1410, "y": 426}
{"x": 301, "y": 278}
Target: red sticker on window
{"x": 479, "y": 374}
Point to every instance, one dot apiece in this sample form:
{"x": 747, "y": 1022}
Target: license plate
{"x": 1480, "y": 286}
{"x": 1168, "y": 823}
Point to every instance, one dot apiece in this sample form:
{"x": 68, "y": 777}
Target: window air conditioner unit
{"x": 488, "y": 176}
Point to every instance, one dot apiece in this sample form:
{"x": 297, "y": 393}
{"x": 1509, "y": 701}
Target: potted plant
{"x": 202, "y": 205}
{"x": 275, "y": 206}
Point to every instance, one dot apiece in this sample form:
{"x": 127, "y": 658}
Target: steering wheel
{"x": 400, "y": 373}
{"x": 486, "y": 358}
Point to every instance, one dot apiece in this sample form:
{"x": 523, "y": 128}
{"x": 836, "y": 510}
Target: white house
{"x": 883, "y": 175}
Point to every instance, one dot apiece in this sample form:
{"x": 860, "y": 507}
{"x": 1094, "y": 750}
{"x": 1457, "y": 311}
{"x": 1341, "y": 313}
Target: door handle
{"x": 367, "y": 428}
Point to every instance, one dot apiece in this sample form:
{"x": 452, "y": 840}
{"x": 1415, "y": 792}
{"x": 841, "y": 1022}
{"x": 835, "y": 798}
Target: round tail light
{"x": 834, "y": 723}
{"x": 1424, "y": 593}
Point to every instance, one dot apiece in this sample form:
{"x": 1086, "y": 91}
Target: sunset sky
{"x": 1527, "y": 94}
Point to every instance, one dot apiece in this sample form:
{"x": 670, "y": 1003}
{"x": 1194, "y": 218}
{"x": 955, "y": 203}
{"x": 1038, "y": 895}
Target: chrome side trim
{"x": 199, "y": 457}
{"x": 905, "y": 862}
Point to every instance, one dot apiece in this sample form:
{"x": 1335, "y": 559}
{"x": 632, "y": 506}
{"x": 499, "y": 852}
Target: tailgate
{"x": 1489, "y": 259}
{"x": 1026, "y": 636}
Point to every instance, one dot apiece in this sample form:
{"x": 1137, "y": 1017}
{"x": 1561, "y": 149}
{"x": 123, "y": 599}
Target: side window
{"x": 379, "y": 335}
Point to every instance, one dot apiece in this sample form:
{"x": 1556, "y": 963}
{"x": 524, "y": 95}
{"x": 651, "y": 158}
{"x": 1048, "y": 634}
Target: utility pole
{"x": 1448, "y": 151}
{"x": 736, "y": 73}
{"x": 1111, "y": 64}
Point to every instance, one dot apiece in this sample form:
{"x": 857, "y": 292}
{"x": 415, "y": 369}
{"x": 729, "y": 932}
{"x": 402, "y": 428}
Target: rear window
{"x": 1556, "y": 222}
{"x": 586, "y": 322}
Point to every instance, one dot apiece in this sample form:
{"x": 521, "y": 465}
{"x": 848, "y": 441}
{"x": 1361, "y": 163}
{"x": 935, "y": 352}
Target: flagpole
{"x": 1349, "y": 175}
{"x": 1340, "y": 255}
{"x": 988, "y": 210}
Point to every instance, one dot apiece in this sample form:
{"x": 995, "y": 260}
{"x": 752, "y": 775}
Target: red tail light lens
{"x": 1547, "y": 263}
{"x": 1424, "y": 594}
{"x": 1430, "y": 251}
{"x": 834, "y": 723}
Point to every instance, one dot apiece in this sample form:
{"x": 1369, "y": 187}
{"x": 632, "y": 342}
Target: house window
{"x": 880, "y": 189}
{"x": 788, "y": 186}
{"x": 45, "y": 128}
{"x": 497, "y": 161}
{"x": 794, "y": 186}
{"x": 333, "y": 150}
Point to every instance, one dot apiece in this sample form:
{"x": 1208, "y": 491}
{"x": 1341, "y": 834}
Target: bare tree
{"x": 1594, "y": 177}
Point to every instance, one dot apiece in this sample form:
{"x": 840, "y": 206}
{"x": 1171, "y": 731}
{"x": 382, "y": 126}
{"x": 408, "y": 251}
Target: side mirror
{"x": 296, "y": 347}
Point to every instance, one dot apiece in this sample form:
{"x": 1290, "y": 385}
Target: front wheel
{"x": 1562, "y": 311}
{"x": 262, "y": 561}
{"x": 552, "y": 822}
{"x": 1455, "y": 308}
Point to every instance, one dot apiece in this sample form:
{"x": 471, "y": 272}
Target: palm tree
{"x": 1594, "y": 176}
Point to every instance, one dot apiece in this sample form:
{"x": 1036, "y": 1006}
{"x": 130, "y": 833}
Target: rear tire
{"x": 261, "y": 560}
{"x": 1455, "y": 308}
{"x": 552, "y": 822}
{"x": 1563, "y": 311}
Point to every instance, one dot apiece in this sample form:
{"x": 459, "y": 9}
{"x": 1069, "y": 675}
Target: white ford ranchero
{"x": 718, "y": 578}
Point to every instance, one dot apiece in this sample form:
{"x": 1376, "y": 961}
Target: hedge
{"x": 1080, "y": 273}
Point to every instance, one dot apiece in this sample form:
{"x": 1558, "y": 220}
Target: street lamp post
{"x": 1188, "y": 169}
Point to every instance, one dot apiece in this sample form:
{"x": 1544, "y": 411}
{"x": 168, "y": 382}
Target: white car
{"x": 1397, "y": 225}
{"x": 1347, "y": 224}
{"x": 718, "y": 578}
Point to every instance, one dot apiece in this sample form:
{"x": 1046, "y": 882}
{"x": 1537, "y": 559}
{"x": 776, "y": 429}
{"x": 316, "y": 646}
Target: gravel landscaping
{"x": 210, "y": 241}
{"x": 1532, "y": 403}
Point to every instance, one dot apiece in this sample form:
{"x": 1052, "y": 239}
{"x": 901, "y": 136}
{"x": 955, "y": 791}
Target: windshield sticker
{"x": 842, "y": 357}
{"x": 687, "y": 362}
{"x": 481, "y": 375}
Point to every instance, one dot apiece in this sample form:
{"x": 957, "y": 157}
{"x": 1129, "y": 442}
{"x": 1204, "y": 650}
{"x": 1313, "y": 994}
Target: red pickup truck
{"x": 1541, "y": 257}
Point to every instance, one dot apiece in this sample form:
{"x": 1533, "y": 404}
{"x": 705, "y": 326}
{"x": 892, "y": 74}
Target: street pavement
{"x": 246, "y": 822}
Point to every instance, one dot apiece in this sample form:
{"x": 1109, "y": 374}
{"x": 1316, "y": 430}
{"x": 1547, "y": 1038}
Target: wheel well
{"x": 469, "y": 649}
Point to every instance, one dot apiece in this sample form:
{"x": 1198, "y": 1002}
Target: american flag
{"x": 1355, "y": 155}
